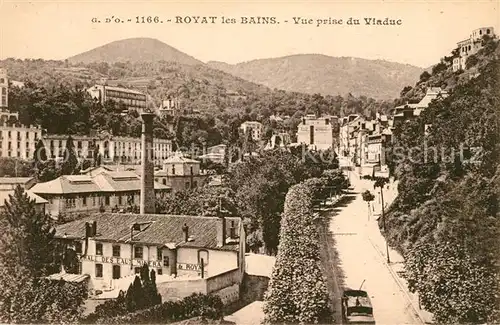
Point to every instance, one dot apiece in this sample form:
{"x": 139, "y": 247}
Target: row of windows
{"x": 9, "y": 135}
{"x": 10, "y": 154}
{"x": 71, "y": 202}
{"x": 9, "y": 145}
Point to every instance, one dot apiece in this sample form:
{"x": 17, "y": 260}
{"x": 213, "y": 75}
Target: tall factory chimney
{"x": 147, "y": 165}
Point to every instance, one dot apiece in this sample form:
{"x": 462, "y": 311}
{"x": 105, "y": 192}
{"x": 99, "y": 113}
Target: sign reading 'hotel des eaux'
{"x": 120, "y": 260}
{"x": 136, "y": 262}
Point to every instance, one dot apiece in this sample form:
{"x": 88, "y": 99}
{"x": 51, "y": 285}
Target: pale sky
{"x": 429, "y": 30}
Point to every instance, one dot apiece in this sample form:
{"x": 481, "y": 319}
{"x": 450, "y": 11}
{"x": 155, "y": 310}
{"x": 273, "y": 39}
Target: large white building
{"x": 254, "y": 127}
{"x": 16, "y": 140}
{"x": 133, "y": 99}
{"x": 318, "y": 133}
{"x": 471, "y": 46}
{"x": 125, "y": 150}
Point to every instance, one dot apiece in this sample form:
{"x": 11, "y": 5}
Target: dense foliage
{"x": 297, "y": 290}
{"x": 195, "y": 305}
{"x": 141, "y": 294}
{"x": 445, "y": 219}
{"x": 28, "y": 252}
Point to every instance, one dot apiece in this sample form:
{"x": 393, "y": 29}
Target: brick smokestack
{"x": 147, "y": 165}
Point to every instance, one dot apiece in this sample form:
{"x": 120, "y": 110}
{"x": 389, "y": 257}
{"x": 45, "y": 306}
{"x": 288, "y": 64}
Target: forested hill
{"x": 446, "y": 218}
{"x": 315, "y": 73}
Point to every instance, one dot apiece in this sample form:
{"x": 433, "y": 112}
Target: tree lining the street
{"x": 297, "y": 291}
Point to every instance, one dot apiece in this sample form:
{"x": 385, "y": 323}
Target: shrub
{"x": 195, "y": 305}
{"x": 471, "y": 61}
{"x": 424, "y": 76}
{"x": 297, "y": 291}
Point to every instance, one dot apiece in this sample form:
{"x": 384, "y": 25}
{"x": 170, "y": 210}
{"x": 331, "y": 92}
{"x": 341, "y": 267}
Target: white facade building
{"x": 471, "y": 46}
{"x": 254, "y": 127}
{"x": 319, "y": 133}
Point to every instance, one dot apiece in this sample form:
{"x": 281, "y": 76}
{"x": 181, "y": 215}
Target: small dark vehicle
{"x": 357, "y": 307}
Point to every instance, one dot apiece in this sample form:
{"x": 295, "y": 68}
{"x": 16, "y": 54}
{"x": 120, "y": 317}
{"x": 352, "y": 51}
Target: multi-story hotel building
{"x": 471, "y": 46}
{"x": 319, "y": 133}
{"x": 255, "y": 128}
{"x": 17, "y": 140}
{"x": 93, "y": 192}
{"x": 133, "y": 99}
{"x": 112, "y": 149}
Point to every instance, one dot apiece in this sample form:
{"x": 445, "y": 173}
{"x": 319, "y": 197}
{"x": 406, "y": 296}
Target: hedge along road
{"x": 360, "y": 261}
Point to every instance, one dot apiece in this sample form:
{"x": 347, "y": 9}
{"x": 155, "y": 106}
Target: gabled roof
{"x": 157, "y": 229}
{"x": 4, "y": 196}
{"x": 67, "y": 184}
{"x": 122, "y": 181}
{"x": 104, "y": 181}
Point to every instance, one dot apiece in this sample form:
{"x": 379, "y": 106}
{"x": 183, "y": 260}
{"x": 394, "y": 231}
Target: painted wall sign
{"x": 119, "y": 260}
{"x": 189, "y": 267}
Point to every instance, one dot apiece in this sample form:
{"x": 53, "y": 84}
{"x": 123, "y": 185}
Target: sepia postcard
{"x": 250, "y": 162}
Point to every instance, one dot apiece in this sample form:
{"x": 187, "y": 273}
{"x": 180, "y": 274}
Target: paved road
{"x": 361, "y": 261}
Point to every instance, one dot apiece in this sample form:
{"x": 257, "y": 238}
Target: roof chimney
{"x": 221, "y": 231}
{"x": 232, "y": 230}
{"x": 185, "y": 230}
{"x": 147, "y": 204}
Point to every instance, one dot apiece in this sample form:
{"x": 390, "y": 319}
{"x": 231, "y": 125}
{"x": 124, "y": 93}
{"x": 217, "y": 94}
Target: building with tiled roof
{"x": 104, "y": 190}
{"x": 113, "y": 246}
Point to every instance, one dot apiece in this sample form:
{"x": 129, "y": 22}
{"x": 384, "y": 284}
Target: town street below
{"x": 362, "y": 259}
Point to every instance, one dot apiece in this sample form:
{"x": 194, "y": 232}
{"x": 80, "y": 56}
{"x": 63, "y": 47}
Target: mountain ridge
{"x": 320, "y": 73}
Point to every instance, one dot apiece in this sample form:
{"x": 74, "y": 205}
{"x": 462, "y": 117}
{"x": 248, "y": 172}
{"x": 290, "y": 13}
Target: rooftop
{"x": 68, "y": 277}
{"x": 5, "y": 196}
{"x": 103, "y": 181}
{"x": 132, "y": 91}
{"x": 15, "y": 180}
{"x": 179, "y": 159}
{"x": 158, "y": 229}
